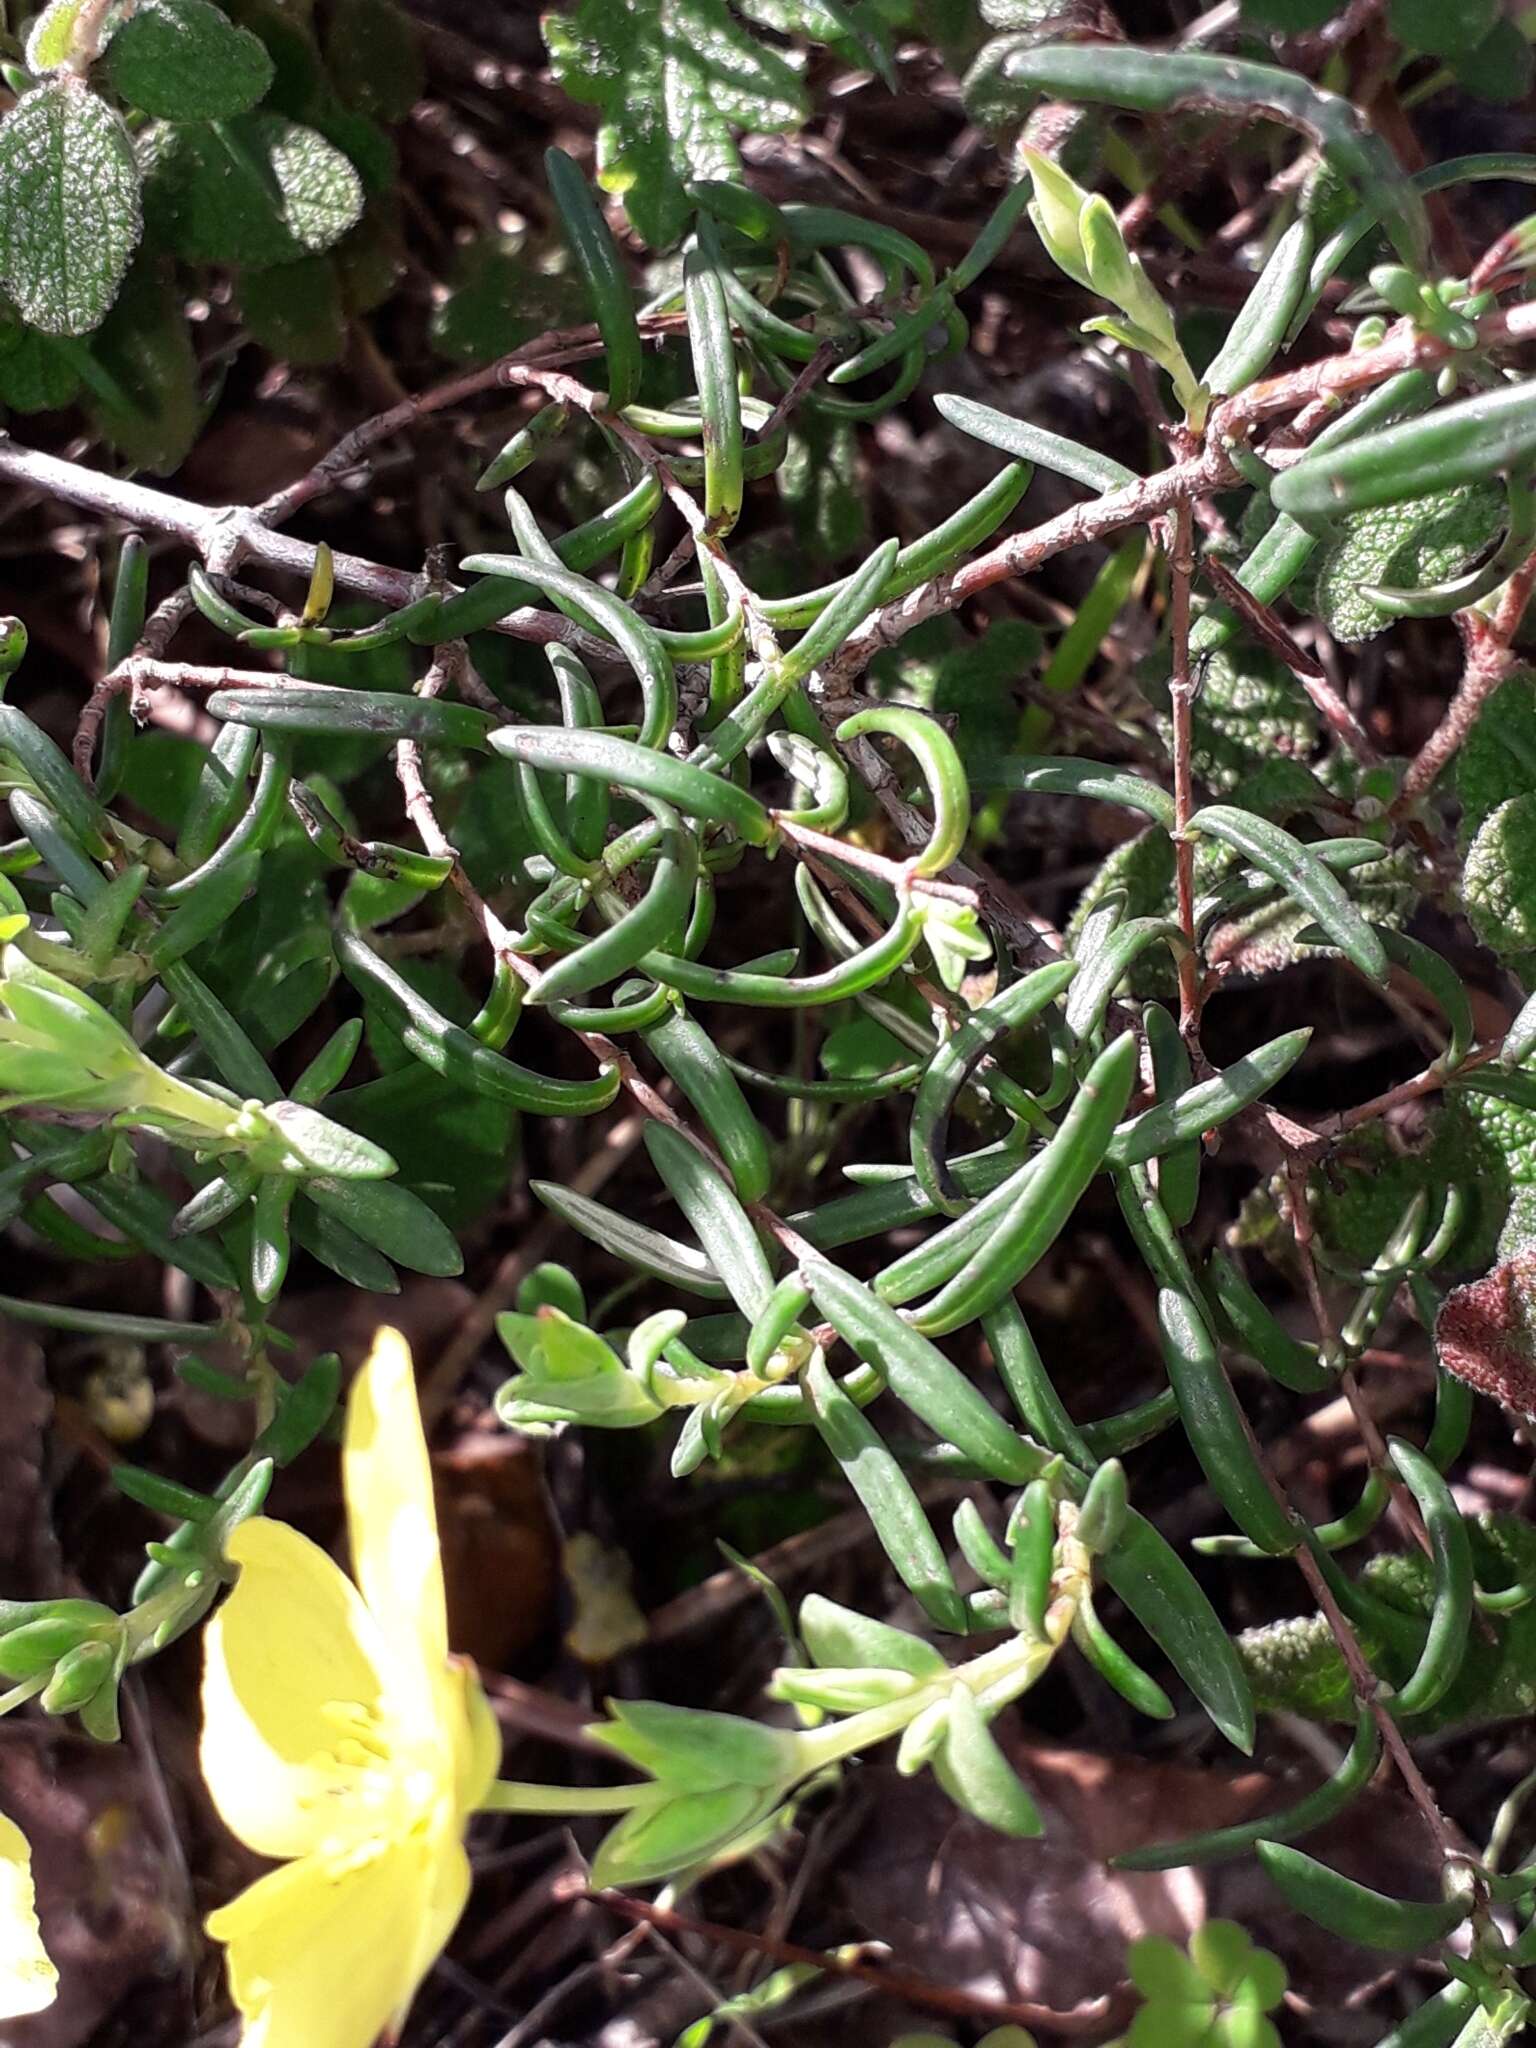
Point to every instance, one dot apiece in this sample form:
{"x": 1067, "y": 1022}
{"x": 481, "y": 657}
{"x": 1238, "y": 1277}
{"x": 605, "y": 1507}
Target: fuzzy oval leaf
{"x": 1498, "y": 759}
{"x": 186, "y": 61}
{"x": 1499, "y": 879}
{"x": 1407, "y": 546}
{"x": 258, "y": 190}
{"x": 69, "y": 206}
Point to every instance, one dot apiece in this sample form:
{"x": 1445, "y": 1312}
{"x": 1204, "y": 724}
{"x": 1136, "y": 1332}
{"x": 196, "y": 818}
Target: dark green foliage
{"x": 295, "y": 309}
{"x": 932, "y": 985}
{"x": 1498, "y": 759}
{"x": 243, "y": 147}
{"x": 498, "y": 298}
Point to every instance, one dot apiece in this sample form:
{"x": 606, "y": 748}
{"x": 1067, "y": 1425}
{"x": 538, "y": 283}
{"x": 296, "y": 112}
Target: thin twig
{"x": 1426, "y": 1082}
{"x": 904, "y": 1984}
{"x": 897, "y": 872}
{"x": 1404, "y": 1510}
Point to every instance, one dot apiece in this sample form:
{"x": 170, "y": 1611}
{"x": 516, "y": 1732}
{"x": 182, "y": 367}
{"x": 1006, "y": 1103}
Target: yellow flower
{"x": 28, "y": 1980}
{"x": 339, "y": 1733}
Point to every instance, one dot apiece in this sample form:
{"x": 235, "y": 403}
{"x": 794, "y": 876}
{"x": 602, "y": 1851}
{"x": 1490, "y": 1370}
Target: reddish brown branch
{"x": 1488, "y": 662}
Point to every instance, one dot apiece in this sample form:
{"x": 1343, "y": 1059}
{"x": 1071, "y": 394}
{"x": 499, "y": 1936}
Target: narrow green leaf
{"x": 1265, "y": 315}
{"x": 1042, "y": 774}
{"x": 1157, "y": 1586}
{"x": 1028, "y": 443}
{"x": 919, "y": 1374}
{"x": 602, "y": 272}
{"x": 886, "y": 1494}
{"x": 723, "y": 1227}
{"x": 1400, "y": 1926}
{"x": 1464, "y": 443}
{"x": 1303, "y": 877}
{"x": 626, "y": 766}
{"x": 650, "y": 1251}
{"x": 1045, "y": 1201}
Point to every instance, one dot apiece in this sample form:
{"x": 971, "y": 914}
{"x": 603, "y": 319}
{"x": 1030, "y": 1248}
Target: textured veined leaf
{"x": 187, "y": 61}
{"x": 69, "y": 206}
{"x": 1499, "y": 880}
{"x": 674, "y": 80}
{"x": 1498, "y": 758}
{"x": 1420, "y": 541}
{"x": 255, "y": 191}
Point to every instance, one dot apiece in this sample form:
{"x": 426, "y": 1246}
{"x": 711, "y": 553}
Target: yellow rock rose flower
{"x": 340, "y": 1736}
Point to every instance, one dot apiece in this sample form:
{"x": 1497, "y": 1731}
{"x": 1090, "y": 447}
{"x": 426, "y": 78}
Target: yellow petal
{"x": 390, "y": 1513}
{"x": 476, "y": 1738}
{"x": 448, "y": 1887}
{"x": 288, "y": 1654}
{"x": 28, "y": 1980}
{"x": 328, "y": 1954}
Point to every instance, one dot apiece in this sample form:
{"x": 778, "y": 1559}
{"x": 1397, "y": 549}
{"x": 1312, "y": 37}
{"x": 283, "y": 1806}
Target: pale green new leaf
{"x": 51, "y": 37}
{"x": 69, "y": 206}
{"x": 675, "y": 80}
{"x": 655, "y": 1842}
{"x": 1056, "y": 210}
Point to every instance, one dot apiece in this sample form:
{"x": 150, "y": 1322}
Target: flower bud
{"x": 79, "y": 1676}
{"x": 847, "y": 1691}
{"x": 35, "y": 1634}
